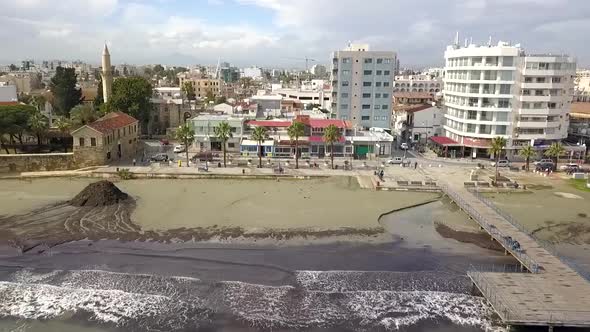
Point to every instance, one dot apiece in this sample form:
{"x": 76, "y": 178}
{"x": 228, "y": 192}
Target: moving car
{"x": 404, "y": 146}
{"x": 543, "y": 166}
{"x": 160, "y": 157}
{"x": 502, "y": 163}
{"x": 543, "y": 161}
{"x": 179, "y": 148}
{"x": 204, "y": 156}
{"x": 395, "y": 160}
{"x": 569, "y": 166}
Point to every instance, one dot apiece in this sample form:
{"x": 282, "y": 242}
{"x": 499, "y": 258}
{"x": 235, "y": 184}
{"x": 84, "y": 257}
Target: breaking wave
{"x": 362, "y": 301}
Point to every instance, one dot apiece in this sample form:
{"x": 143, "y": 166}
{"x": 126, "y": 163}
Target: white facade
{"x": 318, "y": 70}
{"x": 252, "y": 72}
{"x": 498, "y": 90}
{"x": 582, "y": 93}
{"x": 8, "y": 93}
{"x": 418, "y": 83}
{"x": 306, "y": 97}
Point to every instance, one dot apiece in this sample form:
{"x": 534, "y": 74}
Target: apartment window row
{"x": 542, "y": 92}
{"x": 506, "y": 61}
{"x": 478, "y": 102}
{"x": 377, "y": 95}
{"x": 377, "y": 84}
{"x": 479, "y": 88}
{"x": 477, "y": 115}
{"x": 377, "y": 107}
{"x": 539, "y": 105}
{"x": 378, "y": 60}
{"x": 550, "y": 65}
{"x": 477, "y": 75}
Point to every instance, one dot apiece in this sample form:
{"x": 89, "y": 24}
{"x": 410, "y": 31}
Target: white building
{"x": 8, "y": 93}
{"x": 252, "y": 72}
{"x": 582, "y": 92}
{"x": 492, "y": 91}
{"x": 315, "y": 97}
{"x": 418, "y": 83}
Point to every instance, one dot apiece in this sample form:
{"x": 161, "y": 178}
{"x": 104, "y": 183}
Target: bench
{"x": 416, "y": 183}
{"x": 402, "y": 183}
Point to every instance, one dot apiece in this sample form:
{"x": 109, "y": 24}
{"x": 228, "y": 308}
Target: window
{"x": 345, "y": 60}
{"x": 345, "y": 83}
{"x": 501, "y": 116}
{"x": 376, "y": 118}
{"x": 346, "y": 72}
{"x": 367, "y": 83}
{"x": 231, "y": 145}
{"x": 369, "y": 60}
{"x": 540, "y": 79}
{"x": 386, "y": 95}
{"x": 385, "y": 84}
{"x": 383, "y": 118}
{"x": 377, "y": 107}
{"x": 368, "y": 72}
{"x": 470, "y": 127}
{"x": 508, "y": 61}
{"x": 377, "y": 84}
{"x": 386, "y": 72}
{"x": 500, "y": 130}
{"x": 503, "y": 103}
{"x": 504, "y": 89}
{"x": 556, "y": 80}
{"x": 92, "y": 141}
{"x": 552, "y": 105}
{"x": 528, "y": 80}
{"x": 378, "y": 72}
{"x": 379, "y": 60}
{"x": 377, "y": 95}
{"x": 386, "y": 60}
{"x": 365, "y": 118}
{"x": 384, "y": 107}
{"x": 344, "y": 95}
{"x": 344, "y": 106}
{"x": 471, "y": 115}
{"x": 81, "y": 141}
{"x": 366, "y": 106}
{"x": 366, "y": 95}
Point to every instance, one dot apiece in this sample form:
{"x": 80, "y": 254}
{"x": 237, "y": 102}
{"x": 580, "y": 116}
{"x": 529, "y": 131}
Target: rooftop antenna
{"x": 465, "y": 42}
{"x": 490, "y": 42}
{"x": 457, "y": 39}
{"x": 470, "y": 40}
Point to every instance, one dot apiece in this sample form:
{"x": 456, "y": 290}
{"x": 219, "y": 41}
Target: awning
{"x": 477, "y": 143}
{"x": 444, "y": 141}
{"x": 247, "y": 142}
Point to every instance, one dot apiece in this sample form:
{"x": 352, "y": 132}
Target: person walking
{"x": 415, "y": 164}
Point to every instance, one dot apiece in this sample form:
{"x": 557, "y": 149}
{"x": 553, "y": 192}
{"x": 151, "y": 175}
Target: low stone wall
{"x": 10, "y": 163}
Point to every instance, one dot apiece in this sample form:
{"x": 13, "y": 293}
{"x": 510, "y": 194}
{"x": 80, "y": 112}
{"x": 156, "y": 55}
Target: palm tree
{"x": 259, "y": 135}
{"x": 38, "y": 125}
{"x": 82, "y": 115}
{"x": 63, "y": 125}
{"x": 527, "y": 152}
{"x": 296, "y": 130}
{"x": 554, "y": 151}
{"x": 188, "y": 91}
{"x": 186, "y": 135}
{"x": 498, "y": 144}
{"x": 331, "y": 135}
{"x": 223, "y": 132}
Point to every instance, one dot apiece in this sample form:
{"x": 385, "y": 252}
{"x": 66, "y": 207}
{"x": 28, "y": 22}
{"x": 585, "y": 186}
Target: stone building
{"x": 110, "y": 138}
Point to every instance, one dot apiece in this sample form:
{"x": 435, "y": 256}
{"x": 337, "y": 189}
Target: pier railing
{"x": 526, "y": 260}
{"x": 545, "y": 244}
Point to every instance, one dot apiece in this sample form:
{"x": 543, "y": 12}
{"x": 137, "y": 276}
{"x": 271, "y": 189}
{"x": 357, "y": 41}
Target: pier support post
{"x": 550, "y": 328}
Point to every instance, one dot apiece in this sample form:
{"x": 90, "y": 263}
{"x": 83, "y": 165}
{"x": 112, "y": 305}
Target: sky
{"x": 282, "y": 33}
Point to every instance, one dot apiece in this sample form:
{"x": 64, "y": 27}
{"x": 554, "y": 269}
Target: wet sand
{"x": 298, "y": 211}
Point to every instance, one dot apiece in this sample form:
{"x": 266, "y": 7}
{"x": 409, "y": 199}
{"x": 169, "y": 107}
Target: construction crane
{"x": 306, "y": 59}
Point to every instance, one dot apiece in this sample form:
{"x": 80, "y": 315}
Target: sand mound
{"x": 101, "y": 193}
{"x": 567, "y": 195}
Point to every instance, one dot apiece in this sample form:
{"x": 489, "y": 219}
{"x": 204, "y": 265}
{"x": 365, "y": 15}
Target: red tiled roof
{"x": 9, "y": 103}
{"x": 323, "y": 123}
{"x": 112, "y": 121}
{"x": 418, "y": 108}
{"x": 269, "y": 123}
{"x": 317, "y": 139}
{"x": 443, "y": 140}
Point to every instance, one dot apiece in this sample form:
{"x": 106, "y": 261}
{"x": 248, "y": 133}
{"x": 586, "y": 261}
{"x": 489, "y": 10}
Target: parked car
{"x": 543, "y": 161}
{"x": 164, "y": 141}
{"x": 544, "y": 166}
{"x": 160, "y": 157}
{"x": 501, "y": 163}
{"x": 395, "y": 161}
{"x": 179, "y": 148}
{"x": 568, "y": 166}
{"x": 404, "y": 146}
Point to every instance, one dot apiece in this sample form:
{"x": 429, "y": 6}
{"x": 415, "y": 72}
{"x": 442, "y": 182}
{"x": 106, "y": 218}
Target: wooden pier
{"x": 551, "y": 294}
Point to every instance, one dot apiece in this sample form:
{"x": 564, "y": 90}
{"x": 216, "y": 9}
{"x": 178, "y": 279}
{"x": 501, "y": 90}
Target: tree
{"x": 38, "y": 125}
{"x": 554, "y": 151}
{"x": 527, "y": 152}
{"x": 13, "y": 67}
{"x": 188, "y": 92}
{"x": 259, "y": 135}
{"x": 223, "y": 132}
{"x": 132, "y": 95}
{"x": 82, "y": 115}
{"x": 63, "y": 125}
{"x": 209, "y": 97}
{"x": 498, "y": 144}
{"x": 14, "y": 120}
{"x": 38, "y": 101}
{"x": 99, "y": 99}
{"x": 65, "y": 93}
{"x": 220, "y": 100}
{"x": 296, "y": 130}
{"x": 186, "y": 135}
{"x": 331, "y": 135}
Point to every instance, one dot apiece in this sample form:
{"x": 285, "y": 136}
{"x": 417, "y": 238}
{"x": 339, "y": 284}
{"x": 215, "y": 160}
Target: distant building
{"x": 252, "y": 72}
{"x": 418, "y": 83}
{"x": 170, "y": 111}
{"x": 8, "y": 93}
{"x": 229, "y": 74}
{"x": 492, "y": 91}
{"x": 582, "y": 88}
{"x": 416, "y": 123}
{"x": 360, "y": 79}
{"x": 318, "y": 70}
{"x": 412, "y": 98}
{"x": 110, "y": 138}
{"x": 25, "y": 82}
{"x": 202, "y": 85}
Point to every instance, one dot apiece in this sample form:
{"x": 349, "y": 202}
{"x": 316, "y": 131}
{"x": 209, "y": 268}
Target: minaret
{"x": 107, "y": 74}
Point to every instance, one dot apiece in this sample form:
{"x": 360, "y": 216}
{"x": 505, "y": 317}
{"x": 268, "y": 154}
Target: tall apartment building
{"x": 582, "y": 92}
{"x": 362, "y": 86}
{"x": 500, "y": 90}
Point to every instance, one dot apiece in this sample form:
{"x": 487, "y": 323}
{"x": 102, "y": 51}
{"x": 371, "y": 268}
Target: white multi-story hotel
{"x": 500, "y": 90}
{"x": 417, "y": 83}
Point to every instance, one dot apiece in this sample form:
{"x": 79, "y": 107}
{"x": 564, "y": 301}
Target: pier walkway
{"x": 552, "y": 294}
